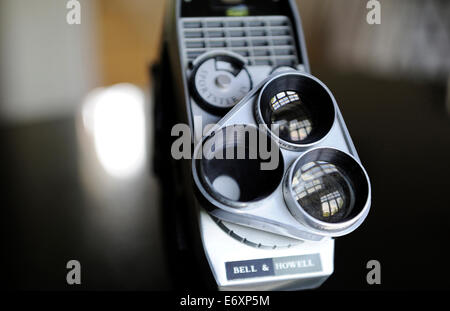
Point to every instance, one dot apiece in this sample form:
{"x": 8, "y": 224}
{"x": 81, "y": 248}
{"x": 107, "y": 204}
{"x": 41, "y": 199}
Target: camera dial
{"x": 219, "y": 82}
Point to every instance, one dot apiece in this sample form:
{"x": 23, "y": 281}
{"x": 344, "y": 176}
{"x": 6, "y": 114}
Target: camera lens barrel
{"x": 328, "y": 191}
{"x": 299, "y": 107}
{"x": 229, "y": 167}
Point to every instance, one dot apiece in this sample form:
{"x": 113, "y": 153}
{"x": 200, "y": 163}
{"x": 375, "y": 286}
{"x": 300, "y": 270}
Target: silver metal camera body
{"x": 219, "y": 67}
{"x": 277, "y": 211}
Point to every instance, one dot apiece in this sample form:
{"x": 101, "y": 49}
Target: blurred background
{"x": 75, "y": 161}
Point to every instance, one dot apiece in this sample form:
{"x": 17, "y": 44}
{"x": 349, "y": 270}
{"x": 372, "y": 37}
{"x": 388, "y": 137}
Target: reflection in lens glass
{"x": 323, "y": 191}
{"x": 291, "y": 115}
{"x": 233, "y": 170}
{"x": 227, "y": 186}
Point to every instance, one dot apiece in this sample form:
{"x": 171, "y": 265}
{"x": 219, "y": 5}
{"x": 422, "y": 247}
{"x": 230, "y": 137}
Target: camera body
{"x": 243, "y": 65}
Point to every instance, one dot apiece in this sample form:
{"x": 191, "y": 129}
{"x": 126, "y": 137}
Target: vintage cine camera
{"x": 277, "y": 176}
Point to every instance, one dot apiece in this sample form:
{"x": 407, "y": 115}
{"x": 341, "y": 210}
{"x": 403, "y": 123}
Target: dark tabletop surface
{"x": 402, "y": 133}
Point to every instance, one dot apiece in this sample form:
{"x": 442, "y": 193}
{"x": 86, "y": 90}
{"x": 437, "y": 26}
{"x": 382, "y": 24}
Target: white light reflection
{"x": 115, "y": 116}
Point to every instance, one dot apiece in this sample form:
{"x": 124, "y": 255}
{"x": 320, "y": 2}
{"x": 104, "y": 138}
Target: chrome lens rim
{"x": 316, "y": 225}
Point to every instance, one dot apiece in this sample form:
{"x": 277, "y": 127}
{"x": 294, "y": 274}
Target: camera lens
{"x": 323, "y": 190}
{"x": 298, "y": 107}
{"x": 231, "y": 166}
{"x": 292, "y": 116}
{"x": 327, "y": 190}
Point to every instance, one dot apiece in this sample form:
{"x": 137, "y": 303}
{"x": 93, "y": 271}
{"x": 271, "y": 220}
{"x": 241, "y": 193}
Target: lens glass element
{"x": 232, "y": 166}
{"x": 323, "y": 191}
{"x": 292, "y": 117}
{"x": 298, "y": 109}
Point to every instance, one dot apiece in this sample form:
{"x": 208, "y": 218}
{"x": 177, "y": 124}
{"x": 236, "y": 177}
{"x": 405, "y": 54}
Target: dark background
{"x": 58, "y": 204}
